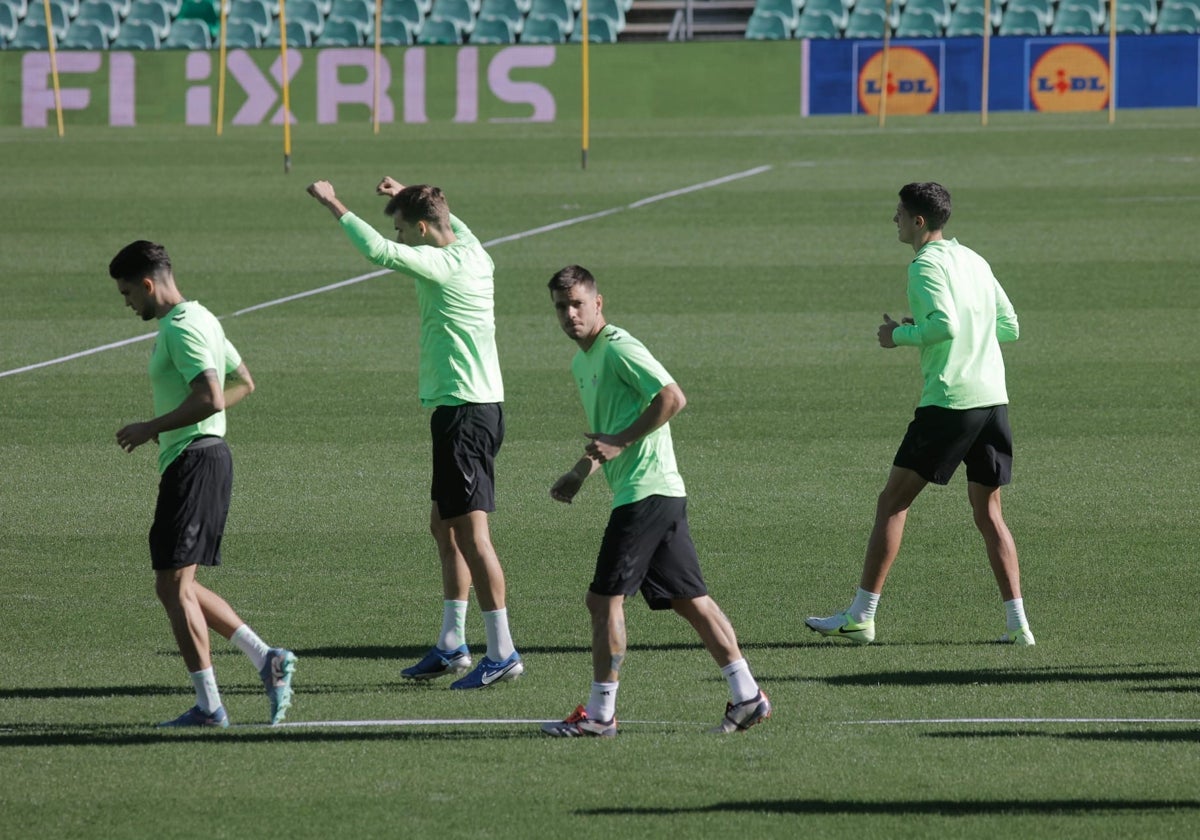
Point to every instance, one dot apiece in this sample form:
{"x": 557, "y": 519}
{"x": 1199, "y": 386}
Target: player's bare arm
{"x": 238, "y": 385}
{"x": 323, "y": 192}
{"x": 569, "y": 484}
{"x": 666, "y": 404}
{"x": 205, "y": 400}
{"x": 388, "y": 186}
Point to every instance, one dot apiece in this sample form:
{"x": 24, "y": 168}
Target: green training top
{"x": 190, "y": 341}
{"x": 459, "y": 362}
{"x": 962, "y": 314}
{"x": 618, "y": 379}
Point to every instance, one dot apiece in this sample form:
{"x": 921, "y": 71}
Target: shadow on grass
{"x": 407, "y": 652}
{"x": 1126, "y": 736}
{"x": 35, "y": 735}
{"x": 1004, "y": 676}
{"x": 930, "y": 807}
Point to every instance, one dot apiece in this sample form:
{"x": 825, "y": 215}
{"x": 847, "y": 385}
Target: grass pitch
{"x": 761, "y": 295}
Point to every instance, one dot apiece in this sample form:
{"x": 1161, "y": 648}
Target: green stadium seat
{"x": 788, "y": 10}
{"x": 1149, "y": 7}
{"x": 558, "y": 10}
{"x": 340, "y": 33}
{"x": 150, "y": 12}
{"x": 939, "y": 8}
{"x": 19, "y": 8}
{"x": 438, "y": 30}
{"x": 238, "y": 35}
{"x": 1132, "y": 20}
{"x": 102, "y": 15}
{"x": 306, "y": 13}
{"x": 58, "y": 18}
{"x": 457, "y": 11}
{"x": 84, "y": 36}
{"x": 768, "y": 26}
{"x": 1073, "y": 20}
{"x": 506, "y": 10}
{"x": 1098, "y": 9}
{"x": 1042, "y": 8}
{"x": 189, "y": 35}
{"x": 918, "y": 23}
{"x": 205, "y": 10}
{"x": 406, "y": 10}
{"x": 541, "y": 29}
{"x": 358, "y": 12}
{"x": 30, "y": 36}
{"x": 601, "y": 30}
{"x": 135, "y": 36}
{"x": 69, "y": 7}
{"x": 880, "y": 7}
{"x": 395, "y": 32}
{"x": 610, "y": 9}
{"x": 8, "y": 23}
{"x": 1177, "y": 19}
{"x": 817, "y": 24}
{"x": 172, "y": 7}
{"x": 834, "y": 8}
{"x": 253, "y": 12}
{"x": 865, "y": 23}
{"x": 121, "y": 7}
{"x": 297, "y": 35}
{"x": 965, "y": 23}
{"x": 1021, "y": 22}
{"x": 492, "y": 30}
{"x": 997, "y": 11}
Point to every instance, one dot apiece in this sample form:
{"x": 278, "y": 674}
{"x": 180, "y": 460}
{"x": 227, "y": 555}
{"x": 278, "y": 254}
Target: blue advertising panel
{"x": 938, "y": 75}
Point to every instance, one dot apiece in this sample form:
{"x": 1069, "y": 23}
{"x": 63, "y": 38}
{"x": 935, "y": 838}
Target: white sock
{"x": 499, "y": 639}
{"x": 207, "y": 696}
{"x": 602, "y": 704}
{"x": 1015, "y": 610}
{"x": 742, "y": 686}
{"x": 864, "y": 606}
{"x": 250, "y": 644}
{"x": 454, "y": 625}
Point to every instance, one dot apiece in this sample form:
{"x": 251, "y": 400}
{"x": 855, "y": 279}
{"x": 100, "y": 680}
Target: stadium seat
{"x": 1098, "y": 9}
{"x": 1021, "y": 22}
{"x": 600, "y": 30}
{"x": 253, "y": 12}
{"x": 558, "y": 10}
{"x": 865, "y": 23}
{"x": 1148, "y": 7}
{"x": 205, "y": 10}
{"x": 1042, "y": 8}
{"x": 1132, "y": 20}
{"x": 834, "y": 8}
{"x": 30, "y": 36}
{"x": 768, "y": 26}
{"x": 395, "y": 32}
{"x": 506, "y": 10}
{"x": 881, "y": 8}
{"x": 918, "y": 23}
{"x": 406, "y": 10}
{"x": 297, "y": 35}
{"x": 817, "y": 24}
{"x": 135, "y": 36}
{"x": 457, "y": 11}
{"x": 121, "y": 7}
{"x": 340, "y": 33}
{"x": 238, "y": 36}
{"x": 610, "y": 9}
{"x": 102, "y": 15}
{"x": 19, "y": 8}
{"x": 788, "y": 10}
{"x": 965, "y": 23}
{"x": 172, "y": 7}
{"x": 306, "y": 13}
{"x": 939, "y": 8}
{"x": 1178, "y": 19}
{"x": 357, "y": 12}
{"x": 492, "y": 30}
{"x": 1073, "y": 20}
{"x": 58, "y": 17}
{"x": 8, "y": 23}
{"x": 438, "y": 30}
{"x": 150, "y": 12}
{"x": 977, "y": 6}
{"x": 540, "y": 29}
{"x": 84, "y": 36}
{"x": 189, "y": 35}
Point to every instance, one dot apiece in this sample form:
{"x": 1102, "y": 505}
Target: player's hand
{"x": 134, "y": 435}
{"x": 885, "y": 331}
{"x": 603, "y": 448}
{"x": 322, "y": 191}
{"x": 567, "y": 486}
{"x": 388, "y": 186}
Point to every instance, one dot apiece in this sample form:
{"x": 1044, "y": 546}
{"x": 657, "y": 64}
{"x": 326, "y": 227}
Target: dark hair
{"x": 421, "y": 203}
{"x": 568, "y": 278}
{"x": 928, "y": 199}
{"x": 140, "y": 259}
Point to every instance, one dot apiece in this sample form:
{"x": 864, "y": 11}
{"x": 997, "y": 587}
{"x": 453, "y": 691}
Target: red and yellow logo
{"x": 912, "y": 82}
{"x": 1071, "y": 77}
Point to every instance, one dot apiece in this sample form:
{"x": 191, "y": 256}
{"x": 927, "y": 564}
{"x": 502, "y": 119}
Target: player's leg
{"x": 175, "y": 590}
{"x": 891, "y": 512}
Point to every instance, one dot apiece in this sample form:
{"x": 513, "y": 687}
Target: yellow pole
{"x": 378, "y": 62}
{"x": 583, "y": 10}
{"x": 987, "y": 64}
{"x": 1112, "y": 61}
{"x": 221, "y": 71}
{"x": 54, "y": 66}
{"x": 883, "y": 68}
{"x": 287, "y": 99}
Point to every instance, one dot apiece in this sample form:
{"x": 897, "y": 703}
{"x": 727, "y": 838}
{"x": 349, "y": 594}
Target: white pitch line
{"x": 758, "y": 170}
{"x": 937, "y": 721}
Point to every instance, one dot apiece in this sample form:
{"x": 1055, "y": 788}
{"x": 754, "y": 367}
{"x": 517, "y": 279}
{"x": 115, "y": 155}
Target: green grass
{"x": 762, "y": 297}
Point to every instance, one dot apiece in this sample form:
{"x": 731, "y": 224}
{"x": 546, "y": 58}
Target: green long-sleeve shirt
{"x": 961, "y": 315}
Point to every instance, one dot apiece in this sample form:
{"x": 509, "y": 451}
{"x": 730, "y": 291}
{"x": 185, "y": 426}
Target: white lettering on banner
{"x": 37, "y": 95}
{"x": 261, "y": 95}
{"x": 517, "y": 92}
{"x": 414, "y": 86}
{"x": 332, "y": 92}
{"x": 198, "y": 102}
{"x": 467, "y": 110}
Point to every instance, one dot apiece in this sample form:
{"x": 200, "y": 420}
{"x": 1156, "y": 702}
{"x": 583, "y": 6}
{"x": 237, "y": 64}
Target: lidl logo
{"x": 912, "y": 84}
{"x": 1070, "y": 77}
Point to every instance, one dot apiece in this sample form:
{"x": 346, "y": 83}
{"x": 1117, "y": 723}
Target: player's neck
{"x": 925, "y": 238}
{"x": 585, "y": 344}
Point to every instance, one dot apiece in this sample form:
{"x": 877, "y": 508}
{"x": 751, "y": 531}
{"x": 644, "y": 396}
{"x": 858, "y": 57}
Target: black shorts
{"x": 193, "y": 503}
{"x": 939, "y": 439}
{"x": 647, "y": 547}
{"x": 466, "y": 439}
